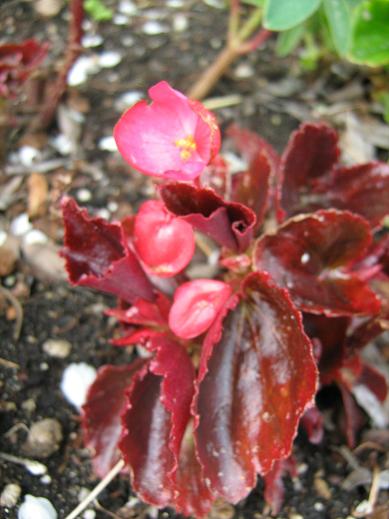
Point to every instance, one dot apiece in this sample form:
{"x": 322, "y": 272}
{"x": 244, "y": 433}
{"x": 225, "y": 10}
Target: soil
{"x": 274, "y": 95}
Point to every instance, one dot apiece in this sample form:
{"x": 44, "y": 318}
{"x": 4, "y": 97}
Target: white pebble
{"x": 175, "y": 4}
{"x": 180, "y": 22}
{"x": 82, "y": 68}
{"x": 103, "y": 213}
{"x": 10, "y": 495}
{"x": 110, "y": 59}
{"x": 120, "y": 19}
{"x": 20, "y": 225}
{"x": 58, "y": 348}
{"x": 92, "y": 40}
{"x": 128, "y": 41}
{"x": 107, "y": 144}
{"x": 153, "y": 28}
{"x": 127, "y": 7}
{"x": 35, "y": 236}
{"x": 46, "y": 479}
{"x": 36, "y": 508}
{"x": 89, "y": 514}
{"x": 244, "y": 71}
{"x": 28, "y": 155}
{"x": 75, "y": 383}
{"x": 112, "y": 206}
{"x": 128, "y": 99}
{"x": 84, "y": 195}
{"x": 62, "y": 144}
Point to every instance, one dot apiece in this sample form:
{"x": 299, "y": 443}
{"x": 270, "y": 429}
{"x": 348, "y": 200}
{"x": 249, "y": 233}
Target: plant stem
{"x": 236, "y": 45}
{"x": 96, "y": 491}
{"x": 73, "y": 50}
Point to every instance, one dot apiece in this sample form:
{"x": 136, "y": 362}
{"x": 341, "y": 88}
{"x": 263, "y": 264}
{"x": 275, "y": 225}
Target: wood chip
{"x": 37, "y": 195}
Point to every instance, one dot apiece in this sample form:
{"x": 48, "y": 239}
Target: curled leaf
{"x": 311, "y": 256}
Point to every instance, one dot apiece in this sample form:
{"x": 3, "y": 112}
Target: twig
{"x": 39, "y": 167}
{"x": 375, "y": 487}
{"x": 73, "y": 50}
{"x": 215, "y": 103}
{"x": 18, "y": 309}
{"x": 96, "y": 491}
{"x": 8, "y": 363}
{"x": 34, "y": 467}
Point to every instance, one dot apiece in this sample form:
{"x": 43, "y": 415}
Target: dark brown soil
{"x": 29, "y": 377}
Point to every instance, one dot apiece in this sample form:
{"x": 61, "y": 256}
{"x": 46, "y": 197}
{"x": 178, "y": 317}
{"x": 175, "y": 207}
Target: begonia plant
{"x": 234, "y": 362}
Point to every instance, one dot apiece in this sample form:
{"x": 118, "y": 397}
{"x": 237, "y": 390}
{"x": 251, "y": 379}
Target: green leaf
{"x": 288, "y": 40}
{"x": 370, "y": 33}
{"x": 280, "y": 15}
{"x": 98, "y": 11}
{"x": 338, "y": 16}
{"x": 256, "y": 3}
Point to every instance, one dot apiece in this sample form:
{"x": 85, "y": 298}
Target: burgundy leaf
{"x": 143, "y": 312}
{"x": 101, "y": 413}
{"x": 331, "y": 333}
{"x": 274, "y": 485}
{"x": 17, "y": 62}
{"x": 352, "y": 419}
{"x": 251, "y": 187}
{"x": 249, "y": 144}
{"x": 257, "y": 376}
{"x": 230, "y": 224}
{"x": 313, "y": 424}
{"x": 155, "y": 420}
{"x": 96, "y": 256}
{"x": 311, "y": 256}
{"x": 311, "y": 153}
{"x": 374, "y": 380}
{"x": 362, "y": 189}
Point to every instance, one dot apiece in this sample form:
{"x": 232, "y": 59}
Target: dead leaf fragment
{"x": 9, "y": 255}
{"x": 37, "y": 195}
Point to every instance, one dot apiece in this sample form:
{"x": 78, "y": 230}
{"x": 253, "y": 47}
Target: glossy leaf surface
{"x": 310, "y": 255}
{"x": 101, "y": 413}
{"x": 155, "y": 420}
{"x": 311, "y": 153}
{"x": 97, "y": 258}
{"x": 229, "y": 224}
{"x": 257, "y": 376}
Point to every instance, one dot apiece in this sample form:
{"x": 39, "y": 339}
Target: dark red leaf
{"x": 251, "y": 187}
{"x": 311, "y": 256}
{"x": 17, "y": 62}
{"x": 249, "y": 144}
{"x": 331, "y": 333}
{"x": 230, "y": 224}
{"x": 352, "y": 419}
{"x": 311, "y": 153}
{"x": 101, "y": 413}
{"x": 143, "y": 312}
{"x": 313, "y": 424}
{"x": 274, "y": 485}
{"x": 362, "y": 189}
{"x": 96, "y": 256}
{"x": 257, "y": 376}
{"x": 374, "y": 380}
{"x": 155, "y": 420}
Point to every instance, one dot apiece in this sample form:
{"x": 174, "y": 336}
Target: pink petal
{"x": 196, "y": 305}
{"x": 170, "y": 138}
{"x": 164, "y": 243}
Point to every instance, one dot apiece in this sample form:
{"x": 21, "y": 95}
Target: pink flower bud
{"x": 163, "y": 242}
{"x": 173, "y": 137}
{"x": 196, "y": 305}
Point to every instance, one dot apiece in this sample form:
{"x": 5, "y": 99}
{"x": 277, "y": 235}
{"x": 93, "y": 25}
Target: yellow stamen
{"x": 187, "y": 146}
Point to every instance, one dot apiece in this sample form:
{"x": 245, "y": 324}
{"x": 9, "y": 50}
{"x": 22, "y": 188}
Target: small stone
{"x": 34, "y": 236}
{"x": 29, "y": 405}
{"x": 322, "y": 488}
{"x": 58, "y": 348}
{"x": 319, "y": 507}
{"x": 127, "y": 99}
{"x": 89, "y": 514}
{"x": 48, "y": 8}
{"x": 244, "y": 71}
{"x": 28, "y": 155}
{"x": 180, "y": 23}
{"x": 10, "y": 495}
{"x": 107, "y": 144}
{"x": 46, "y": 479}
{"x": 92, "y": 40}
{"x": 84, "y": 195}
{"x": 75, "y": 382}
{"x": 44, "y": 438}
{"x": 36, "y": 507}
{"x": 127, "y": 7}
{"x": 20, "y": 225}
{"x": 110, "y": 59}
{"x": 120, "y": 19}
{"x": 153, "y": 28}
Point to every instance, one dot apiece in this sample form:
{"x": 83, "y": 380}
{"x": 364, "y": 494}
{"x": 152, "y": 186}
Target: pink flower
{"x": 196, "y": 305}
{"x": 173, "y": 137}
{"x": 163, "y": 242}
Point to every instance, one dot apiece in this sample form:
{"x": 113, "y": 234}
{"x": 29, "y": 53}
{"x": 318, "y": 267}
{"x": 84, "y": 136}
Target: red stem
{"x": 73, "y": 50}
